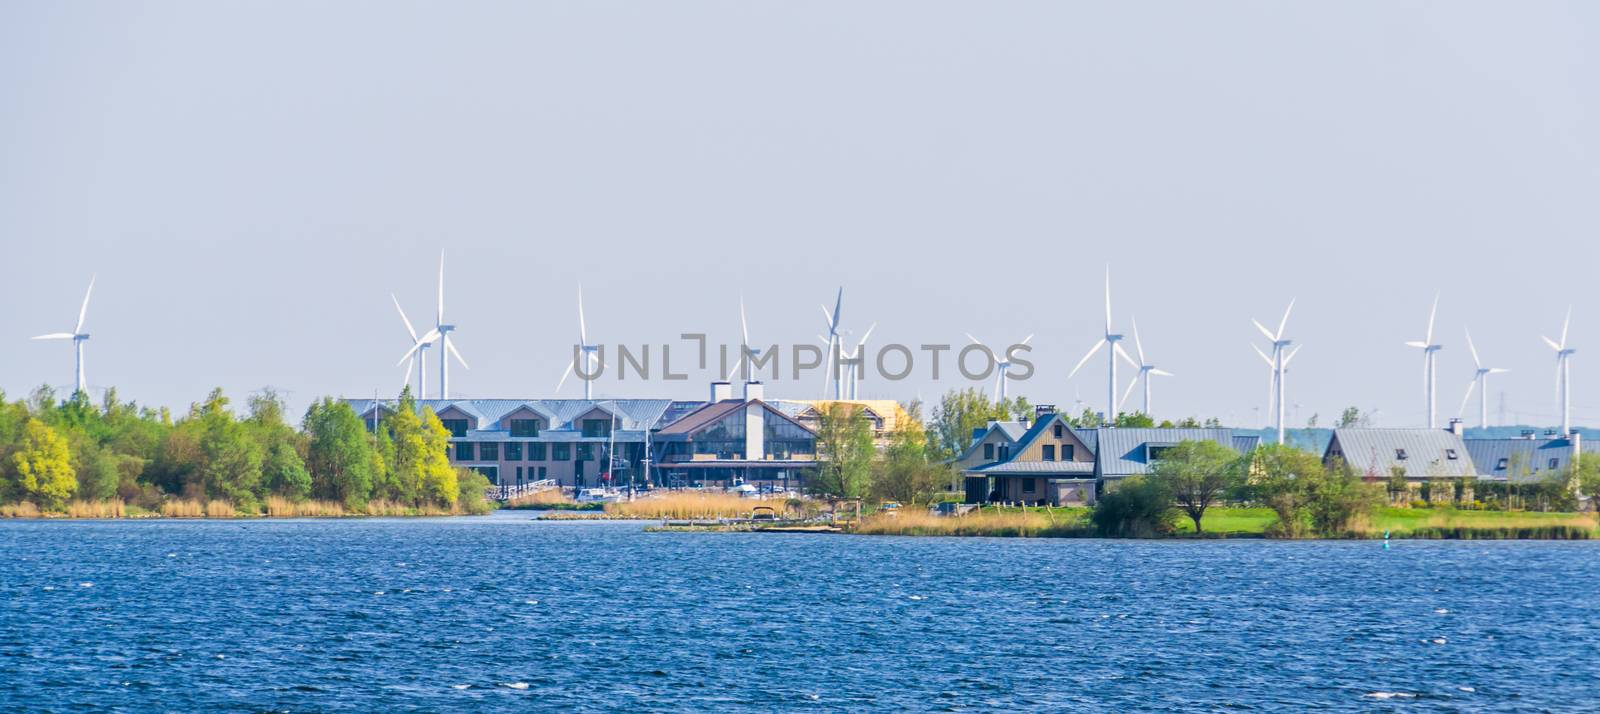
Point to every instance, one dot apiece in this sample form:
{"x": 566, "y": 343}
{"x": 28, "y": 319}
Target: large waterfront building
{"x": 736, "y": 440}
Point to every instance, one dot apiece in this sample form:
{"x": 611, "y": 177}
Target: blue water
{"x": 503, "y": 612}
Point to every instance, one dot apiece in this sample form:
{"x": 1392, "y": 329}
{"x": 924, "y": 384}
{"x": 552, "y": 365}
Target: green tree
{"x": 960, "y": 412}
{"x": 1197, "y": 474}
{"x": 440, "y": 483}
{"x": 339, "y": 454}
{"x": 43, "y": 467}
{"x": 904, "y": 473}
{"x": 1335, "y": 499}
{"x": 230, "y": 463}
{"x": 1133, "y": 420}
{"x": 472, "y": 492}
{"x": 1138, "y": 507}
{"x": 844, "y": 448}
{"x": 1278, "y": 477}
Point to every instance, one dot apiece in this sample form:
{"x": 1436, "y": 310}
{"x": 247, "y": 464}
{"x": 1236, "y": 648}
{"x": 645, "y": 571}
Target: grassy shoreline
{"x": 222, "y": 510}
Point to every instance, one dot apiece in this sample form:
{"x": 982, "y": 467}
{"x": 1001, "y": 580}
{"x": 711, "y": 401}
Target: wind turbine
{"x": 588, "y": 350}
{"x": 853, "y": 379}
{"x": 444, "y": 329}
{"x": 1563, "y": 373}
{"x": 1279, "y": 361}
{"x": 746, "y": 352}
{"x": 78, "y": 337}
{"x": 1001, "y": 380}
{"x": 832, "y": 319}
{"x": 1430, "y": 353}
{"x": 1110, "y": 338}
{"x": 1480, "y": 382}
{"x": 1146, "y": 371}
{"x": 418, "y": 352}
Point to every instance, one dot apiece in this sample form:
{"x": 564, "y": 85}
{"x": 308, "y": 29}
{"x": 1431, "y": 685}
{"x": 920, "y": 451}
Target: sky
{"x": 251, "y": 181}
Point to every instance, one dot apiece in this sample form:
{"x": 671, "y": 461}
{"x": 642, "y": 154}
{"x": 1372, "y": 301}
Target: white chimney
{"x": 721, "y": 391}
{"x": 754, "y": 390}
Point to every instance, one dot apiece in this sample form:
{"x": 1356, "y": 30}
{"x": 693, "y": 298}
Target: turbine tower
{"x": 418, "y": 353}
{"x": 1146, "y": 371}
{"x": 1563, "y": 374}
{"x": 588, "y": 351}
{"x": 853, "y": 378}
{"x": 834, "y": 347}
{"x": 1110, "y": 338}
{"x": 1279, "y": 361}
{"x": 78, "y": 337}
{"x": 1430, "y": 353}
{"x": 1002, "y": 380}
{"x": 1480, "y": 382}
{"x": 447, "y": 348}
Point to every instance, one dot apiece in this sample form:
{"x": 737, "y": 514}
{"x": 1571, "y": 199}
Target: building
{"x": 1123, "y": 453}
{"x": 517, "y": 441}
{"x": 1419, "y": 455}
{"x": 884, "y": 415}
{"x": 1530, "y": 458}
{"x": 730, "y": 441}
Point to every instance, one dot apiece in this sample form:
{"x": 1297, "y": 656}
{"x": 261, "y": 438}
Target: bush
{"x": 1138, "y": 508}
{"x": 472, "y": 493}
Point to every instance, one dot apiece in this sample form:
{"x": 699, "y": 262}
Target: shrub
{"x": 471, "y": 498}
{"x": 1138, "y": 508}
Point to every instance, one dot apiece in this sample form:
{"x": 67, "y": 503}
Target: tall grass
{"x": 96, "y": 509}
{"x": 25, "y": 509}
{"x": 1003, "y": 524}
{"x": 280, "y": 507}
{"x": 1467, "y": 525}
{"x": 679, "y": 506}
{"x": 534, "y": 501}
{"x": 182, "y": 508}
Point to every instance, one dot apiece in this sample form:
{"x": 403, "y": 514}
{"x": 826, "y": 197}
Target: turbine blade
{"x": 864, "y": 337}
{"x": 1550, "y": 342}
{"x": 1264, "y": 357}
{"x": 410, "y": 353}
{"x": 1467, "y": 398}
{"x": 1085, "y": 360}
{"x": 1417, "y": 344}
{"x": 1124, "y": 355}
{"x": 1137, "y": 345}
{"x": 441, "y": 287}
{"x": 564, "y": 375}
{"x": 975, "y": 340}
{"x": 1162, "y": 373}
{"x": 403, "y": 317}
{"x": 84, "y": 311}
{"x": 1108, "y": 298}
{"x": 1025, "y": 340}
{"x": 838, "y": 304}
{"x": 1263, "y": 329}
{"x": 1291, "y": 355}
{"x": 1497, "y": 370}
{"x": 56, "y": 336}
{"x": 1564, "y": 323}
{"x": 827, "y": 317}
{"x": 1285, "y": 321}
{"x": 451, "y": 347}
{"x": 1124, "y": 398}
{"x": 1473, "y": 349}
{"x": 1434, "y": 311}
{"x": 743, "y": 324}
{"x": 583, "y": 330}
{"x": 409, "y": 364}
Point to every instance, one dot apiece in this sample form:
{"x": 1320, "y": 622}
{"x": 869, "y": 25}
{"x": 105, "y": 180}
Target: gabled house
{"x": 728, "y": 441}
{"x": 1420, "y": 455}
{"x": 1049, "y": 463}
{"x": 1123, "y": 453}
{"x": 1531, "y": 458}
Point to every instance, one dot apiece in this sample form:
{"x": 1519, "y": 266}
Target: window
{"x": 1005, "y": 452}
{"x": 489, "y": 451}
{"x": 519, "y": 475}
{"x": 457, "y": 427}
{"x": 585, "y": 452}
{"x": 513, "y": 451}
{"x": 1066, "y": 452}
{"x": 562, "y": 452}
{"x": 1027, "y": 485}
{"x": 536, "y": 451}
{"x": 1049, "y": 452}
{"x": 596, "y": 427}
{"x": 1500, "y": 465}
{"x": 988, "y": 451}
{"x": 463, "y": 451}
{"x": 527, "y": 428}
{"x": 1156, "y": 453}
{"x": 1058, "y": 431}
{"x": 1450, "y": 454}
{"x": 1555, "y": 463}
{"x": 1400, "y": 454}
{"x": 541, "y": 473}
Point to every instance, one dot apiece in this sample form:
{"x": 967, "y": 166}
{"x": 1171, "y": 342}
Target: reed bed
{"x": 25, "y": 509}
{"x": 1483, "y": 525}
{"x": 687, "y": 506}
{"x": 542, "y": 499}
{"x": 182, "y": 508}
{"x": 1005, "y": 524}
{"x": 220, "y": 509}
{"x": 97, "y": 509}
{"x": 279, "y": 507}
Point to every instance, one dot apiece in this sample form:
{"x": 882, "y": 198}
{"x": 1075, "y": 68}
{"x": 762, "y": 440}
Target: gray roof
{"x": 1121, "y": 452}
{"x": 1012, "y": 430}
{"x": 632, "y": 414}
{"x": 1497, "y": 458}
{"x": 1428, "y": 453}
{"x": 1075, "y": 469}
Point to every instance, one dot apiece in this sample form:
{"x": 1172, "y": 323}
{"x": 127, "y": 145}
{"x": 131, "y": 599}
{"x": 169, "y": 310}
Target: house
{"x": 1049, "y": 463}
{"x": 1124, "y": 453}
{"x": 882, "y": 414}
{"x": 517, "y": 441}
{"x": 1420, "y": 455}
{"x": 729, "y": 441}
{"x": 1530, "y": 458}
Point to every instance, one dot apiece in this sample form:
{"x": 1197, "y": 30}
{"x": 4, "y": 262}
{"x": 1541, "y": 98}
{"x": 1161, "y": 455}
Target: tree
{"x": 230, "y": 466}
{"x": 1351, "y": 417}
{"x": 339, "y": 454}
{"x": 1336, "y": 498}
{"x": 440, "y": 485}
{"x": 844, "y": 447}
{"x": 43, "y": 467}
{"x": 904, "y": 472}
{"x": 1197, "y": 474}
{"x": 1133, "y": 420}
{"x": 1586, "y": 473}
{"x": 1278, "y": 476}
{"x": 1138, "y": 507}
{"x": 960, "y": 412}
{"x": 1399, "y": 488}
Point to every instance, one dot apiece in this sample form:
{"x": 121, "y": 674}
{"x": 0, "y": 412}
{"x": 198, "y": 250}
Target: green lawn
{"x": 1399, "y": 521}
{"x": 1231, "y": 521}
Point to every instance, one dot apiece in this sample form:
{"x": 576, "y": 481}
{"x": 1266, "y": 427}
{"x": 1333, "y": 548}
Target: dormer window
{"x": 1554, "y": 464}
{"x": 988, "y": 452}
{"x": 525, "y": 428}
{"x": 456, "y": 427}
{"x": 1450, "y": 454}
{"x": 1400, "y": 455}
{"x": 1058, "y": 431}
{"x": 1501, "y": 465}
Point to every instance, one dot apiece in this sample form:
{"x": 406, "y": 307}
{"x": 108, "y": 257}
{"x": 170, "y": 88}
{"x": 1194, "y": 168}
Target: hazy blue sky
{"x": 251, "y": 181}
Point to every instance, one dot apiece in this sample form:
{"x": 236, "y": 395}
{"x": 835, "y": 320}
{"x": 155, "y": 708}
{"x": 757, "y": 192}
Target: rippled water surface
{"x": 503, "y": 612}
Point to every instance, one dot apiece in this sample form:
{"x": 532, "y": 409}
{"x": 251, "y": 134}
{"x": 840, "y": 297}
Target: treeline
{"x": 54, "y": 452}
{"x": 960, "y": 411}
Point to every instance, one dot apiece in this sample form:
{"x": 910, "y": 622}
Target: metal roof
{"x": 1011, "y": 430}
{"x": 1493, "y": 458}
{"x": 1121, "y": 452}
{"x": 1065, "y": 468}
{"x": 1423, "y": 453}
{"x": 632, "y": 414}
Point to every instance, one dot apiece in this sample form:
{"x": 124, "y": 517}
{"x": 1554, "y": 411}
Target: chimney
{"x": 721, "y": 391}
{"x": 754, "y": 390}
{"x": 1457, "y": 427}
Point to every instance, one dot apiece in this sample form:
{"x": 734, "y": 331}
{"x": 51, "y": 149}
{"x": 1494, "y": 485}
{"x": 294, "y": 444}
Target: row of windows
{"x": 518, "y": 451}
{"x": 1047, "y": 452}
{"x": 522, "y": 428}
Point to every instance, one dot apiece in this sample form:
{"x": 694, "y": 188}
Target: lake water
{"x": 503, "y": 612}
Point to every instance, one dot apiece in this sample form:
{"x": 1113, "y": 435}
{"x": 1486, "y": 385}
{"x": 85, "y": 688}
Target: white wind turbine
{"x": 448, "y": 348}
{"x": 1563, "y": 373}
{"x": 1112, "y": 339}
{"x": 853, "y": 378}
{"x": 1002, "y": 380}
{"x": 78, "y": 337}
{"x": 1146, "y": 371}
{"x": 418, "y": 353}
{"x": 1480, "y": 382}
{"x": 834, "y": 347}
{"x": 1430, "y": 353}
{"x": 746, "y": 352}
{"x": 1279, "y": 361}
{"x": 590, "y": 358}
